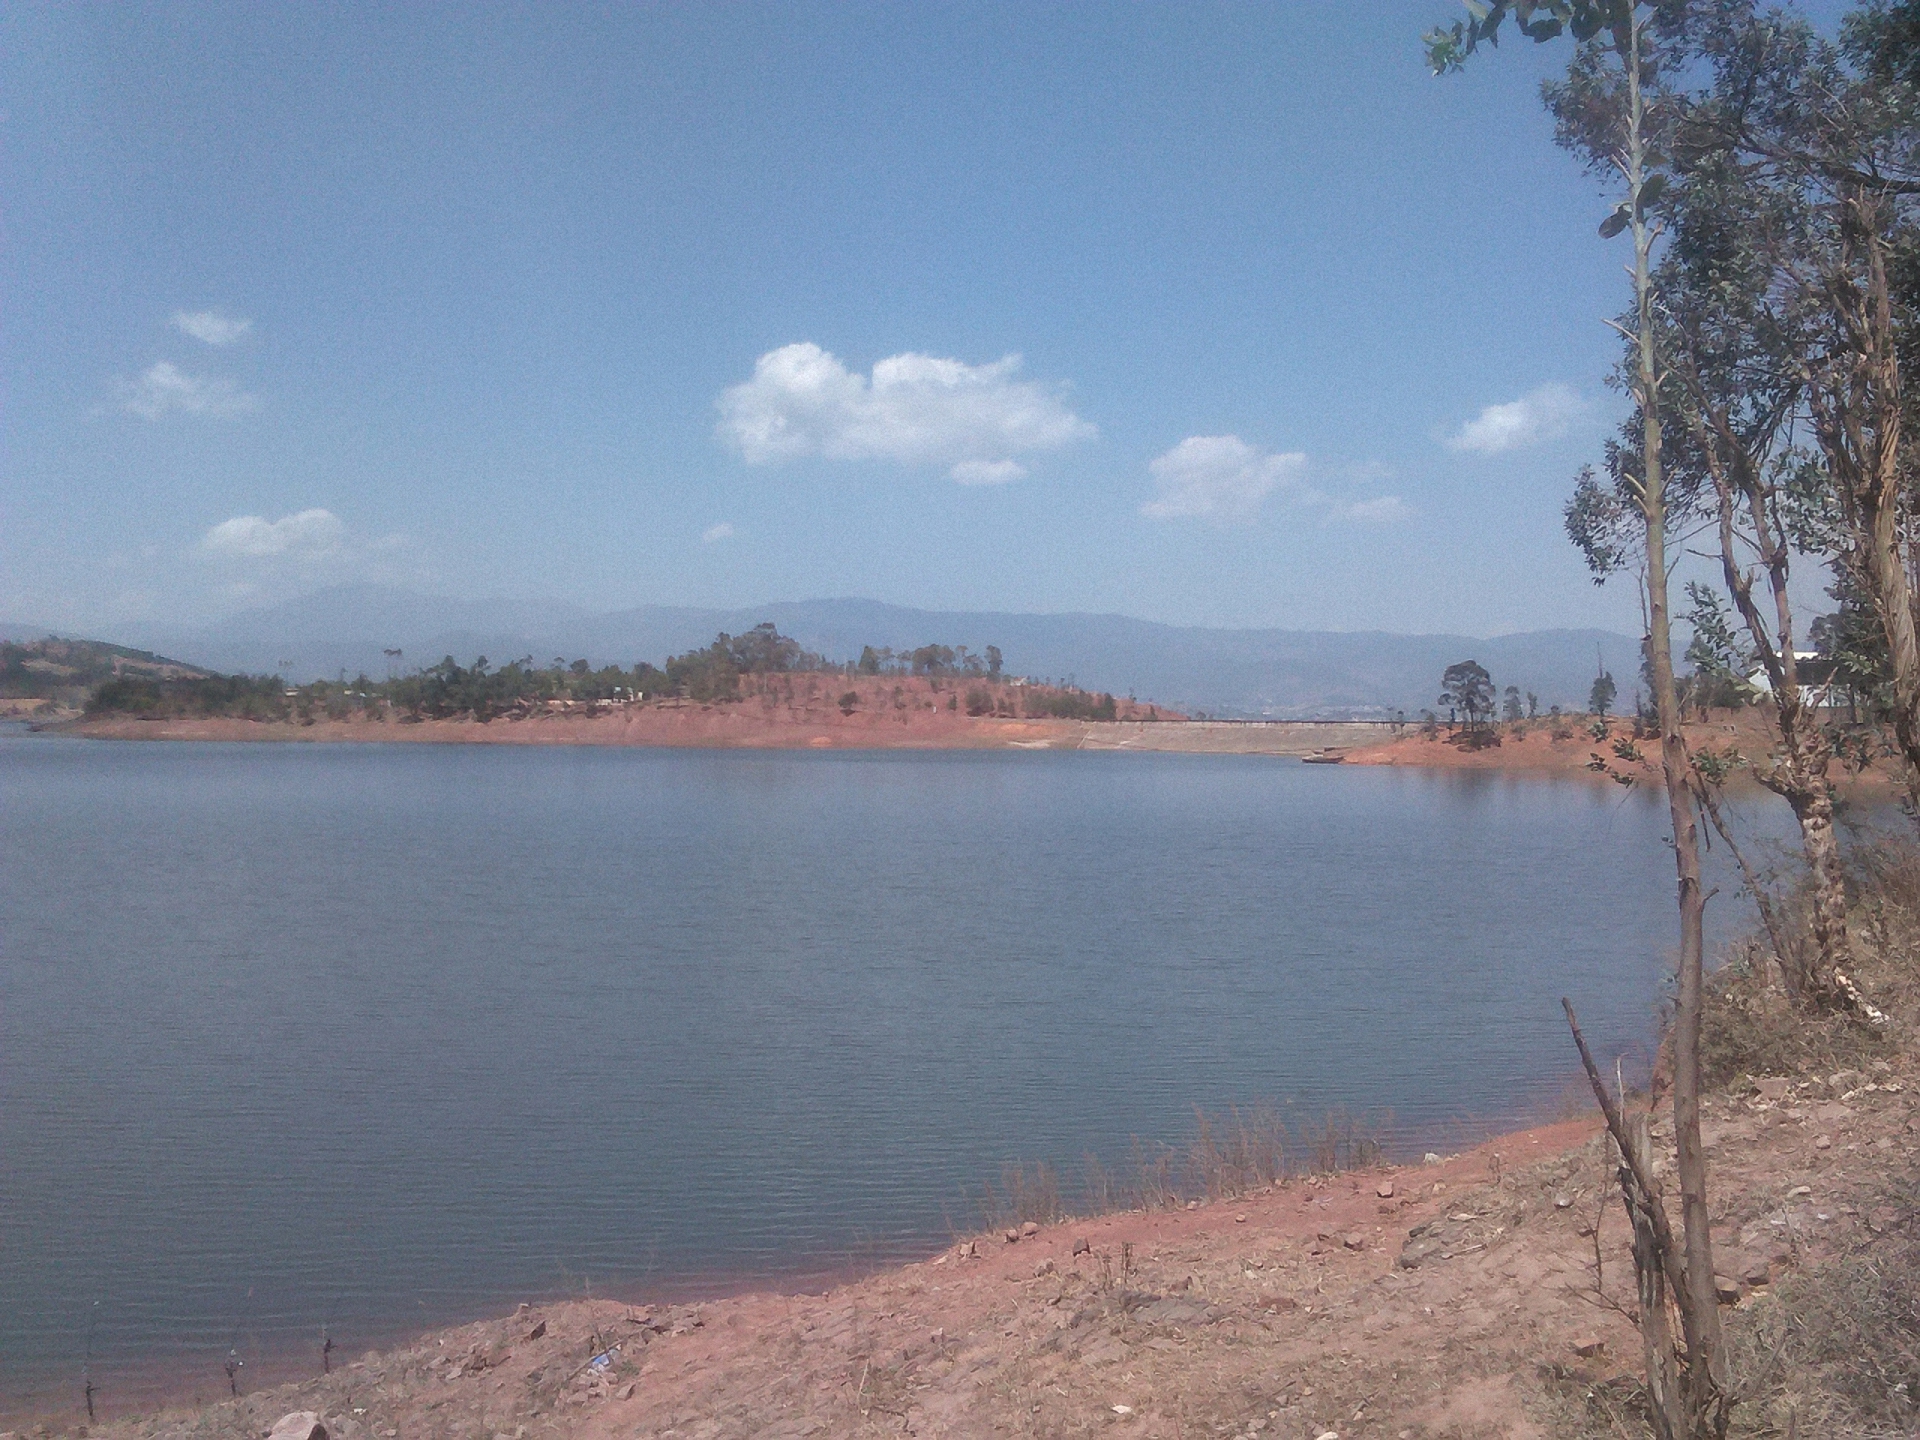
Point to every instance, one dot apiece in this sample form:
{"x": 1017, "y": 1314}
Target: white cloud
{"x": 1222, "y": 478}
{"x": 1385, "y": 510}
{"x": 1536, "y": 417}
{"x": 163, "y": 388}
{"x": 914, "y": 409}
{"x": 1219, "y": 477}
{"x": 988, "y": 472}
{"x": 311, "y": 534}
{"x": 715, "y": 533}
{"x": 210, "y": 327}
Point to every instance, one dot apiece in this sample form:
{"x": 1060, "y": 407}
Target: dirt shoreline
{"x": 162, "y": 1393}
{"x": 918, "y": 718}
{"x": 731, "y": 727}
{"x": 1534, "y": 748}
{"x": 1456, "y": 1298}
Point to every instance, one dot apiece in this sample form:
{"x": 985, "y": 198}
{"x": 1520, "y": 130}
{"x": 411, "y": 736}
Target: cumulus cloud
{"x": 164, "y": 388}
{"x": 310, "y": 534}
{"x": 716, "y": 533}
{"x": 1222, "y": 478}
{"x": 914, "y": 409}
{"x": 988, "y": 472}
{"x": 1536, "y": 417}
{"x": 1384, "y": 510}
{"x": 1219, "y": 477}
{"x": 210, "y": 327}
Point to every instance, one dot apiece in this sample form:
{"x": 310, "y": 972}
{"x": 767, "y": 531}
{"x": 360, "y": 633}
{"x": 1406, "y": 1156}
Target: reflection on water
{"x": 368, "y": 1036}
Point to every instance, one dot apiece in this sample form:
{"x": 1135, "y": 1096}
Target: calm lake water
{"x": 373, "y": 1036}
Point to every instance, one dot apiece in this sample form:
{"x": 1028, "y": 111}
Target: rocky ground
{"x": 1484, "y": 1295}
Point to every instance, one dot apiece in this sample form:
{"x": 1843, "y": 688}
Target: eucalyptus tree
{"x": 1822, "y": 139}
{"x": 1615, "y": 108}
{"x": 1739, "y": 385}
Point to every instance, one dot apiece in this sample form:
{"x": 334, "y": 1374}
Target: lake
{"x": 375, "y": 1036}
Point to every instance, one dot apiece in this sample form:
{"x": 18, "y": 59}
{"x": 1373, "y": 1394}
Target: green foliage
{"x": 253, "y": 697}
{"x": 1071, "y": 705}
{"x": 713, "y": 674}
{"x": 1467, "y": 691}
{"x": 931, "y": 660}
{"x": 1854, "y": 642}
{"x": 1720, "y": 662}
{"x": 1601, "y": 696}
{"x": 718, "y": 673}
{"x": 55, "y": 669}
{"x": 1716, "y": 767}
{"x": 1539, "y": 20}
{"x": 1603, "y": 518}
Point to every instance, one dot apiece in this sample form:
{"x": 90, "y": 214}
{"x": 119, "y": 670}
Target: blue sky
{"x": 1221, "y": 314}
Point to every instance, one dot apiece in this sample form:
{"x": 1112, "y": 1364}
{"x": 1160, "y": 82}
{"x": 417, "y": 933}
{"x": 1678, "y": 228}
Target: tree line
{"x": 718, "y": 673}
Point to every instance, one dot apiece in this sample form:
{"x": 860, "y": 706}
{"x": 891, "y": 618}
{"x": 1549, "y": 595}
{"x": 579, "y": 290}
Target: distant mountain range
{"x": 1278, "y": 674}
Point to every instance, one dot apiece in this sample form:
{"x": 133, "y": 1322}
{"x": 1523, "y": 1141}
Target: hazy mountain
{"x": 1279, "y": 673}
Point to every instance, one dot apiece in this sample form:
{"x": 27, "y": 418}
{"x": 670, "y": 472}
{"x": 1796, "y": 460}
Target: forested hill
{"x": 68, "y": 670}
{"x": 1247, "y": 672}
{"x": 760, "y": 663}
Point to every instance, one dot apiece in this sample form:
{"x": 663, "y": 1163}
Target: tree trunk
{"x": 1813, "y": 808}
{"x": 1800, "y": 774}
{"x": 1704, "y": 1382}
{"x": 1656, "y": 1332}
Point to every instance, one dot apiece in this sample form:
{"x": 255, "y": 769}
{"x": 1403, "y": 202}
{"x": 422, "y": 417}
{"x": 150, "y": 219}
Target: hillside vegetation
{"x": 726, "y": 672}
{"x": 68, "y": 671}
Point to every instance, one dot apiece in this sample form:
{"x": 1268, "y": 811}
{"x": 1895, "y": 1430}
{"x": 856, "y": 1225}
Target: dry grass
{"x": 1750, "y": 1028}
{"x": 1834, "y": 1351}
{"x": 1228, "y": 1154}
